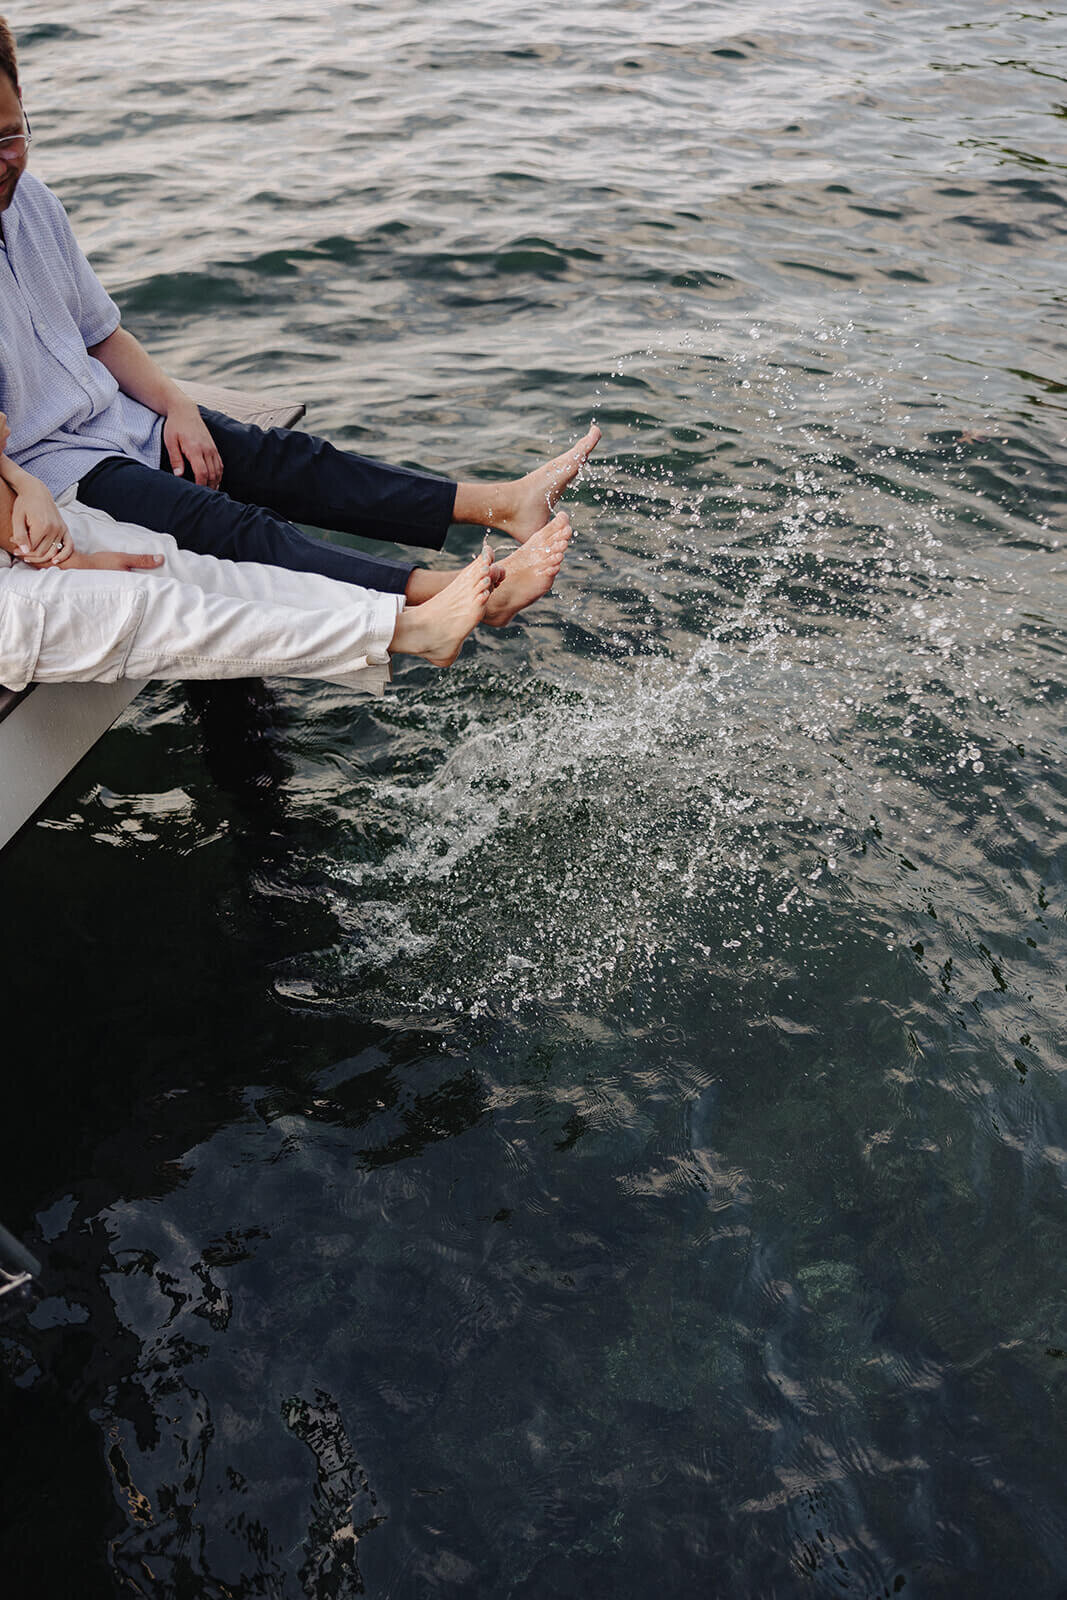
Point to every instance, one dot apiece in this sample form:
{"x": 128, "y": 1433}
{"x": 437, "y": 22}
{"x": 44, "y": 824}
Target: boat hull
{"x": 44, "y": 734}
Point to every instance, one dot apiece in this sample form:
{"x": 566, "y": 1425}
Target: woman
{"x": 83, "y": 597}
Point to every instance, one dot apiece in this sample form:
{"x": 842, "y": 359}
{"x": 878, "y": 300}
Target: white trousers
{"x": 194, "y": 617}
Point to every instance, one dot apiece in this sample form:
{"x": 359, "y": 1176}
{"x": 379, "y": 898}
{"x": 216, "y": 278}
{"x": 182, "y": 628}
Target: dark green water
{"x": 593, "y": 1123}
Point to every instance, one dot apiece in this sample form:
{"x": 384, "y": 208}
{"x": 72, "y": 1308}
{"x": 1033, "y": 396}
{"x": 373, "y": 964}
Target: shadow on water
{"x": 148, "y": 1059}
{"x": 161, "y": 1033}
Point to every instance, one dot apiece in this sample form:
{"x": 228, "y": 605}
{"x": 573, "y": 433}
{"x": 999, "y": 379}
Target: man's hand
{"x": 186, "y": 436}
{"x": 109, "y": 561}
{"x": 38, "y": 531}
{"x": 5, "y": 433}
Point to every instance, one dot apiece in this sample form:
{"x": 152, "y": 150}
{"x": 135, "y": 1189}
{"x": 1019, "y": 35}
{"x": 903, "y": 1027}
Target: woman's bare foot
{"x": 436, "y": 629}
{"x": 530, "y": 572}
{"x": 523, "y": 507}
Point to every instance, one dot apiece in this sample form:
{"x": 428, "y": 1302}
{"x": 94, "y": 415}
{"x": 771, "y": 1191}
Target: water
{"x": 594, "y": 1122}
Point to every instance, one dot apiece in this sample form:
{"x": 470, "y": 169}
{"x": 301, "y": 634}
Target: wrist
{"x": 177, "y": 400}
{"x": 16, "y": 478}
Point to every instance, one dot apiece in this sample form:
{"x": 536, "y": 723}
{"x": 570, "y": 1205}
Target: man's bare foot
{"x": 535, "y": 496}
{"x": 436, "y": 628}
{"x": 522, "y": 508}
{"x": 530, "y": 572}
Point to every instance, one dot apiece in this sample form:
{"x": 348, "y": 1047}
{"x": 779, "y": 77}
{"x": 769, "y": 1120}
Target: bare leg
{"x": 424, "y": 583}
{"x": 522, "y": 507}
{"x": 436, "y": 628}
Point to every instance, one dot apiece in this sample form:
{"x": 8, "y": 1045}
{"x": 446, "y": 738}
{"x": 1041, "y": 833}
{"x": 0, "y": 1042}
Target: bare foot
{"x": 535, "y": 496}
{"x": 436, "y": 628}
{"x": 530, "y": 572}
{"x": 522, "y": 508}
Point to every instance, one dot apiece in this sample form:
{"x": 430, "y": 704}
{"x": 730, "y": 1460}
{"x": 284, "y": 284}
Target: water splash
{"x": 800, "y": 651}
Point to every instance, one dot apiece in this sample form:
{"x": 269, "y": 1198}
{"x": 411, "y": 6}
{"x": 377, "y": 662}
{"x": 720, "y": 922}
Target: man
{"x": 90, "y": 409}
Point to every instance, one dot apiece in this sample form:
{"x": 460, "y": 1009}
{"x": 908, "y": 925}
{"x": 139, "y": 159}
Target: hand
{"x": 109, "y": 561}
{"x": 186, "y": 436}
{"x": 38, "y": 531}
{"x": 5, "y": 433}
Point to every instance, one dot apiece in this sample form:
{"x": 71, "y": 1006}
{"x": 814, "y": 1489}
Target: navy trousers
{"x": 271, "y": 478}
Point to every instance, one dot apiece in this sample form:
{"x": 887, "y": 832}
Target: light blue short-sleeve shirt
{"x": 65, "y": 410}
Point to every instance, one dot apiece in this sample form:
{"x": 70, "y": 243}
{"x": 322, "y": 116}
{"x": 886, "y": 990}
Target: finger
{"x": 20, "y": 534}
{"x": 198, "y": 461}
{"x": 134, "y": 563}
{"x": 40, "y": 537}
{"x": 215, "y": 461}
{"x": 174, "y": 451}
{"x": 33, "y": 544}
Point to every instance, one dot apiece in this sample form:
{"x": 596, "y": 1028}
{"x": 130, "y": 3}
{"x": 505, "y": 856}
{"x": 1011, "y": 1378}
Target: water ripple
{"x": 617, "y": 1138}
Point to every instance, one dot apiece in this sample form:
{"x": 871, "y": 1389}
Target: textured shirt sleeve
{"x": 93, "y": 309}
{"x": 67, "y": 411}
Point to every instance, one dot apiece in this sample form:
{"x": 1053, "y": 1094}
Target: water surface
{"x": 592, "y": 1123}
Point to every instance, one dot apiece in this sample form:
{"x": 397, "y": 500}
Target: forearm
{"x": 136, "y": 373}
{"x": 7, "y": 501}
{"x": 186, "y": 436}
{"x": 17, "y": 479}
{"x": 12, "y": 481}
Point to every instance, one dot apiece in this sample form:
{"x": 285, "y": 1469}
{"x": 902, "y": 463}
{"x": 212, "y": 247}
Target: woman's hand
{"x": 109, "y": 561}
{"x": 38, "y": 531}
{"x": 186, "y": 436}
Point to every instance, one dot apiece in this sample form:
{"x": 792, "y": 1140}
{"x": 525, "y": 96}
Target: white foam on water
{"x": 693, "y": 789}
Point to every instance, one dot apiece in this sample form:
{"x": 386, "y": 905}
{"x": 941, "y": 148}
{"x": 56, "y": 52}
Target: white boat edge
{"x": 47, "y": 730}
{"x": 45, "y": 734}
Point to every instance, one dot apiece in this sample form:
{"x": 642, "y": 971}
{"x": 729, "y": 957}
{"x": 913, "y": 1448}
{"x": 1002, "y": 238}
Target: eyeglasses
{"x": 13, "y": 146}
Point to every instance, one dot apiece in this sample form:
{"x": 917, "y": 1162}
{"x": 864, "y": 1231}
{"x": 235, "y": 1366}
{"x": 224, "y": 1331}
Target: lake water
{"x": 593, "y": 1123}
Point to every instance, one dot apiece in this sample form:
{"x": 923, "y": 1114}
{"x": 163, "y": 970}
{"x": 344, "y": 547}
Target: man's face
{"x": 11, "y": 121}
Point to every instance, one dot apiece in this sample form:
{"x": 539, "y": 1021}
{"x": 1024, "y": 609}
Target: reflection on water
{"x": 590, "y": 1122}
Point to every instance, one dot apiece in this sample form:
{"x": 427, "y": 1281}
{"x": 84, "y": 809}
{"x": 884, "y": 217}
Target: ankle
{"x": 484, "y": 505}
{"x": 423, "y": 585}
{"x": 407, "y": 635}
